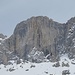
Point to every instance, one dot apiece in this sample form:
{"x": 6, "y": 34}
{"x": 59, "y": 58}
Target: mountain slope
{"x": 38, "y": 38}
{"x": 39, "y": 32}
{"x": 45, "y": 68}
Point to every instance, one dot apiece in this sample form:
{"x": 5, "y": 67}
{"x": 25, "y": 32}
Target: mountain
{"x": 39, "y": 32}
{"x": 39, "y": 38}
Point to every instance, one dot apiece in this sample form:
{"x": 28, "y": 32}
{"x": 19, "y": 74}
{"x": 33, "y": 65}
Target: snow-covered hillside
{"x": 63, "y": 67}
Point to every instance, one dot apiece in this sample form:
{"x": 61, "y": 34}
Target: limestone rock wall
{"x": 40, "y": 32}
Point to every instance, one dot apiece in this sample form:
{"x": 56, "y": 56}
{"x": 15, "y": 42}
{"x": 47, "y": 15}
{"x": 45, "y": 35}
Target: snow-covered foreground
{"x": 44, "y": 68}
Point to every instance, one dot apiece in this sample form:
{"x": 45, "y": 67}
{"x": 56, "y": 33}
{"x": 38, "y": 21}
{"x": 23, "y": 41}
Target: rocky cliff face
{"x": 2, "y": 49}
{"x": 39, "y": 32}
{"x": 42, "y": 37}
{"x": 70, "y": 38}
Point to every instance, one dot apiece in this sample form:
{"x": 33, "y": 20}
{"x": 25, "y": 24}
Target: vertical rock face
{"x": 3, "y": 57}
{"x": 39, "y": 32}
{"x": 41, "y": 37}
{"x": 70, "y": 38}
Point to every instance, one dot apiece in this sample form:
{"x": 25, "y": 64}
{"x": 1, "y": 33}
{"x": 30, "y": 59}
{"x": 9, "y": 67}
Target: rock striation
{"x": 39, "y": 32}
{"x": 42, "y": 37}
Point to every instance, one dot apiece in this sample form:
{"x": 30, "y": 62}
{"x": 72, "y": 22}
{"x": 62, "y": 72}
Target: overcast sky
{"x": 14, "y": 11}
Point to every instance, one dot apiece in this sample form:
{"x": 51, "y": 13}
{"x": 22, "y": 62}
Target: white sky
{"x": 14, "y": 11}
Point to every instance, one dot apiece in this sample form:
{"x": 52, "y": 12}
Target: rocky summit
{"x": 39, "y": 38}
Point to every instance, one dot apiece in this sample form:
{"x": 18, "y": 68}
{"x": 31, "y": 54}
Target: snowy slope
{"x": 44, "y": 68}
